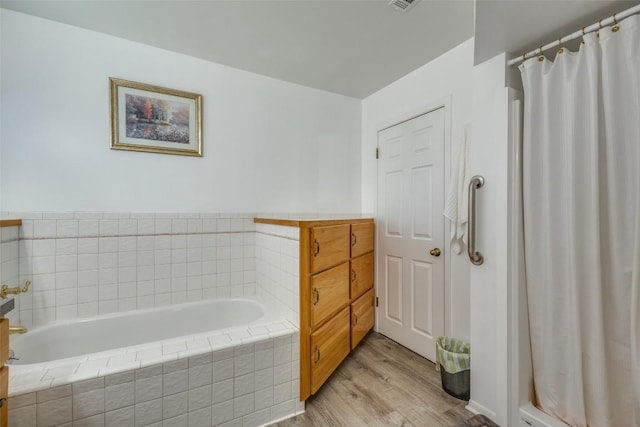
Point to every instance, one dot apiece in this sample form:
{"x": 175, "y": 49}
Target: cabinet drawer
{"x": 329, "y": 246}
{"x": 361, "y": 239}
{"x": 361, "y": 274}
{"x": 329, "y": 292}
{"x": 329, "y": 346}
{"x": 362, "y": 317}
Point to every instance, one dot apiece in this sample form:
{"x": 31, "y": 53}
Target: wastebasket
{"x": 454, "y": 357}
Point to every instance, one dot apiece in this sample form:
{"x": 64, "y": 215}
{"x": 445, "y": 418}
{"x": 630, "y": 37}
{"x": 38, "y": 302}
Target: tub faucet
{"x": 5, "y": 290}
{"x": 17, "y": 330}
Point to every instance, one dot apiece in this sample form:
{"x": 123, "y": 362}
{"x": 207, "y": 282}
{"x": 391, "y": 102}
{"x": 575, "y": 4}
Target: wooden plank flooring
{"x": 382, "y": 384}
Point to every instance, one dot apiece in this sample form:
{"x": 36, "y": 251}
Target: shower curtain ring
{"x": 583, "y": 34}
{"x": 599, "y": 28}
{"x": 561, "y": 47}
{"x": 540, "y": 55}
{"x": 615, "y": 27}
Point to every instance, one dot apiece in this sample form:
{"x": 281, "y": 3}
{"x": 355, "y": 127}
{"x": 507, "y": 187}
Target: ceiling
{"x": 350, "y": 47}
{"x": 519, "y": 26}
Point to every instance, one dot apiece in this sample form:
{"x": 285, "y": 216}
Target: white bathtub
{"x": 71, "y": 351}
{"x": 110, "y": 332}
{"x": 204, "y": 363}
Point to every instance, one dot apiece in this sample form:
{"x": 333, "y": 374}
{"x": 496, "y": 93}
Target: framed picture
{"x": 155, "y": 119}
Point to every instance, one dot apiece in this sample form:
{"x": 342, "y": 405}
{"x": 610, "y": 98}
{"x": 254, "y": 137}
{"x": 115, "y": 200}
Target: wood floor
{"x": 382, "y": 384}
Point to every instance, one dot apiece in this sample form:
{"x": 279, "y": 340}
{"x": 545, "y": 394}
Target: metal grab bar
{"x": 474, "y": 256}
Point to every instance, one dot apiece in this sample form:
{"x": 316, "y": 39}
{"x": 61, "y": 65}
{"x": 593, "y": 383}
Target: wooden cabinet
{"x": 362, "y": 240}
{"x": 329, "y": 246}
{"x": 329, "y": 292}
{"x": 329, "y": 347}
{"x": 336, "y": 292}
{"x": 361, "y": 274}
{"x": 362, "y": 317}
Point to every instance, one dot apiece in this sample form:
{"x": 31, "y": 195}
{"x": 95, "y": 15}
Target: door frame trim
{"x": 446, "y": 103}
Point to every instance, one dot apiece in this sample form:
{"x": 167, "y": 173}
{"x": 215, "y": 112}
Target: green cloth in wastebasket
{"x": 453, "y": 355}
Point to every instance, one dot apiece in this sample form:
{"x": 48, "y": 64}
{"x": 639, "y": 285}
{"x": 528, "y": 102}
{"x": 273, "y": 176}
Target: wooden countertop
{"x": 308, "y": 223}
{"x": 10, "y": 222}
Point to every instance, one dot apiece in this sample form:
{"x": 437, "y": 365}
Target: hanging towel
{"x": 456, "y": 203}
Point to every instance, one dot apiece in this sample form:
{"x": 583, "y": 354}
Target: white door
{"x": 410, "y": 232}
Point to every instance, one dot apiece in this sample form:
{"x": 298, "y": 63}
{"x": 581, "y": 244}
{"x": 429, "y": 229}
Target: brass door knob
{"x": 435, "y": 252}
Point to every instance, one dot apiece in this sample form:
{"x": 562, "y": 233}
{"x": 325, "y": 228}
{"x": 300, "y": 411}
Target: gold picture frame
{"x": 155, "y": 119}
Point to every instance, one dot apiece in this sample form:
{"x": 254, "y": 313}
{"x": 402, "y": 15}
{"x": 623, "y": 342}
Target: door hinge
{"x": 376, "y": 301}
{"x": 377, "y": 153}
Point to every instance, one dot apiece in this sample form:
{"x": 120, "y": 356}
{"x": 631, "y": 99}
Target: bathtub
{"x": 203, "y": 363}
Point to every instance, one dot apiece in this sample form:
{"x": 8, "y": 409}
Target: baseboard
{"x": 476, "y": 408}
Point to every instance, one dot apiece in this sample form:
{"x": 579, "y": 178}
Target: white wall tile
{"x": 175, "y": 405}
{"x": 120, "y": 417}
{"x": 88, "y": 309}
{"x": 146, "y": 226}
{"x": 87, "y": 262}
{"x": 108, "y": 227}
{"x": 67, "y": 228}
{"x": 200, "y": 418}
{"x": 127, "y": 227}
{"x": 243, "y": 384}
{"x": 119, "y": 396}
{"x": 88, "y": 246}
{"x": 264, "y": 378}
{"x": 179, "y": 421}
{"x": 94, "y": 421}
{"x": 222, "y": 412}
{"x": 23, "y": 416}
{"x": 176, "y": 382}
{"x": 258, "y": 418}
{"x": 148, "y": 389}
{"x": 243, "y": 405}
{"x": 148, "y": 412}
{"x": 44, "y": 228}
{"x": 54, "y": 412}
{"x": 88, "y": 404}
{"x": 44, "y": 247}
{"x": 88, "y": 227}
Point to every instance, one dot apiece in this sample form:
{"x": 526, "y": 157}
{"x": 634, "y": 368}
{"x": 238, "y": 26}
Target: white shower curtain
{"x": 582, "y": 228}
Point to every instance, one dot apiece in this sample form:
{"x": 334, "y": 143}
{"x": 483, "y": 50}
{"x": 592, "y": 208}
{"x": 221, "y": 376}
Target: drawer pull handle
{"x": 353, "y": 275}
{"x": 317, "y": 251}
{"x": 316, "y": 354}
{"x": 354, "y": 239}
{"x": 316, "y": 296}
{"x": 355, "y": 319}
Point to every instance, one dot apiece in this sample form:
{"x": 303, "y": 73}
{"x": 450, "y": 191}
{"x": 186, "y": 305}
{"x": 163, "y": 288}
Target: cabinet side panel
{"x": 305, "y": 324}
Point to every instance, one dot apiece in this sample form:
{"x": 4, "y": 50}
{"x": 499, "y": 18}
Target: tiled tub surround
{"x": 277, "y": 268}
{"x": 9, "y": 255}
{"x": 243, "y": 376}
{"x": 84, "y": 264}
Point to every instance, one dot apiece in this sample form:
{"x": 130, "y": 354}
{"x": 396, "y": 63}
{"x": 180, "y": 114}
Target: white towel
{"x": 457, "y": 197}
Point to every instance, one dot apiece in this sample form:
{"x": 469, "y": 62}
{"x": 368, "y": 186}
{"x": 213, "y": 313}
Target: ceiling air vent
{"x": 402, "y": 5}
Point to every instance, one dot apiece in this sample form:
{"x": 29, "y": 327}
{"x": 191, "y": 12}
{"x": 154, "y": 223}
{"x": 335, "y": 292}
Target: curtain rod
{"x": 598, "y": 25}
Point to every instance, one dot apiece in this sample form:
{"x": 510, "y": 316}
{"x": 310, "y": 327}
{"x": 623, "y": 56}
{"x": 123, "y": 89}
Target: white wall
{"x": 488, "y": 282}
{"x": 448, "y": 79}
{"x": 268, "y": 145}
